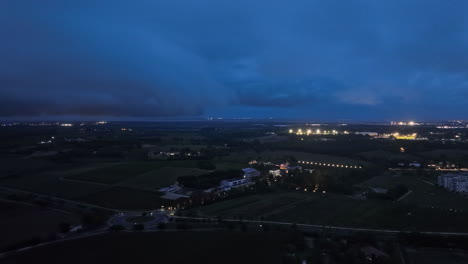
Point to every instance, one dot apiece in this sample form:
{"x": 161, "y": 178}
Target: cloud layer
{"x": 307, "y": 59}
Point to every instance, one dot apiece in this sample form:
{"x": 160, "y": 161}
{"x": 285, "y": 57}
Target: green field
{"x": 127, "y": 171}
{"x": 252, "y": 206}
{"x": 125, "y": 199}
{"x": 381, "y": 155}
{"x": 51, "y": 184}
{"x": 339, "y": 210}
{"x": 119, "y": 185}
{"x": 162, "y": 177}
{"x": 162, "y": 247}
{"x": 423, "y": 191}
{"x": 20, "y": 222}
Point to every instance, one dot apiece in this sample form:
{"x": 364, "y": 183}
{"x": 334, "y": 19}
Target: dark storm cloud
{"x": 336, "y": 59}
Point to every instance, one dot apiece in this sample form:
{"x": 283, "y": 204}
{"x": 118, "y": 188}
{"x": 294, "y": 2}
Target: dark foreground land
{"x": 162, "y": 247}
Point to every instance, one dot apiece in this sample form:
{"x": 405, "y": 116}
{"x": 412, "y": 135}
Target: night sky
{"x": 299, "y": 59}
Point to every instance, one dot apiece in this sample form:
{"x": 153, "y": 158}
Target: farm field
{"x": 162, "y": 177}
{"x": 453, "y": 154}
{"x": 127, "y": 171}
{"x": 20, "y": 222}
{"x": 51, "y": 184}
{"x": 381, "y": 155}
{"x": 253, "y": 205}
{"x": 125, "y": 199}
{"x": 338, "y": 210}
{"x": 423, "y": 192}
{"x": 162, "y": 247}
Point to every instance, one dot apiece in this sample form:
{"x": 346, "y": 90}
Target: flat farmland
{"x": 252, "y": 206}
{"x": 338, "y": 210}
{"x": 162, "y": 177}
{"x": 423, "y": 192}
{"x": 125, "y": 199}
{"x": 51, "y": 184}
{"x": 20, "y": 222}
{"x": 126, "y": 171}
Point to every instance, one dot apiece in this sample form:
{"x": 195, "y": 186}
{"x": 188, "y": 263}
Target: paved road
{"x": 404, "y": 196}
{"x": 121, "y": 219}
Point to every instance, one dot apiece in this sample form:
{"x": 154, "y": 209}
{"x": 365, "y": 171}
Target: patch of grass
{"x": 252, "y": 206}
{"x": 125, "y": 171}
{"x": 161, "y": 177}
{"x": 424, "y": 194}
{"x": 125, "y": 199}
{"x": 51, "y": 184}
{"x": 340, "y": 210}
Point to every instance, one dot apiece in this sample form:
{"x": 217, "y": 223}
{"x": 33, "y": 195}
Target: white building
{"x": 227, "y": 185}
{"x": 454, "y": 182}
{"x": 275, "y": 173}
{"x": 415, "y": 165}
{"x": 250, "y": 173}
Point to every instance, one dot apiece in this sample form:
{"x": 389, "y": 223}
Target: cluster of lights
{"x": 66, "y": 124}
{"x": 126, "y": 129}
{"x": 313, "y": 190}
{"x": 10, "y": 124}
{"x": 46, "y": 142}
{"x": 410, "y": 123}
{"x": 315, "y": 132}
{"x": 101, "y": 122}
{"x": 408, "y": 137}
{"x": 451, "y": 127}
{"x": 330, "y": 165}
